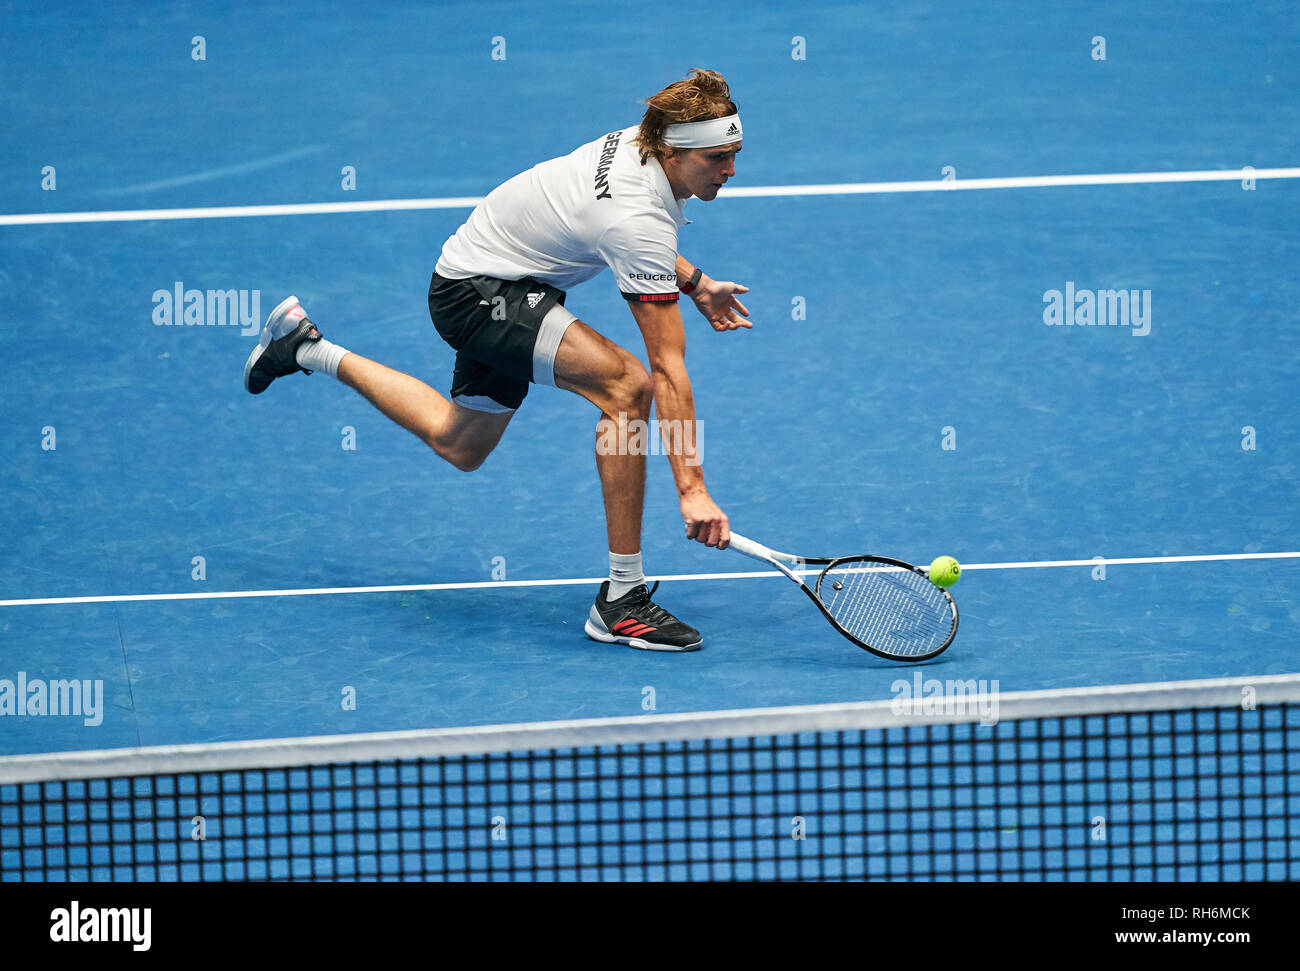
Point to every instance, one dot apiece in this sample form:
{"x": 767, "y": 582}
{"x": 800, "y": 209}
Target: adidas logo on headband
{"x": 704, "y": 134}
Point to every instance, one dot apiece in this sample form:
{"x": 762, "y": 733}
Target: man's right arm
{"x": 665, "y": 340}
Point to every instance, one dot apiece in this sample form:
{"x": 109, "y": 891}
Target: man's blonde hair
{"x": 701, "y": 96}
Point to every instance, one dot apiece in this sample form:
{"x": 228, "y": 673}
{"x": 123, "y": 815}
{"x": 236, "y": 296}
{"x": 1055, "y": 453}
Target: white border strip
{"x": 589, "y": 581}
{"x": 738, "y": 192}
{"x": 435, "y": 743}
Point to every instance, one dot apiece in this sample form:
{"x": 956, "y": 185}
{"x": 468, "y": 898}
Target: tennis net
{"x": 1191, "y": 780}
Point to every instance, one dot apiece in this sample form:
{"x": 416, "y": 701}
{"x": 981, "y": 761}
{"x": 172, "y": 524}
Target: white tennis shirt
{"x": 566, "y": 219}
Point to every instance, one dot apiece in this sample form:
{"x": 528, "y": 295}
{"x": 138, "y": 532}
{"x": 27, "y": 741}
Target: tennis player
{"x": 498, "y": 298}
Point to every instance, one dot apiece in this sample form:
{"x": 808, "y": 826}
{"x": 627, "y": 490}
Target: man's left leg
{"x": 462, "y": 436}
{"x": 290, "y": 342}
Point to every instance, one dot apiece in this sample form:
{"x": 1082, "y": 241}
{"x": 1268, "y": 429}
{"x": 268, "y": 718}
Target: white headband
{"x": 704, "y": 134}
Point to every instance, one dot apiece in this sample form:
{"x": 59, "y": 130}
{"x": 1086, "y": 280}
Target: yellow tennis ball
{"x": 944, "y": 571}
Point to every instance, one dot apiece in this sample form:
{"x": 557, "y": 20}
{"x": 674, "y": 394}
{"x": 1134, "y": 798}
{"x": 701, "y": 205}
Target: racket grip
{"x": 742, "y": 544}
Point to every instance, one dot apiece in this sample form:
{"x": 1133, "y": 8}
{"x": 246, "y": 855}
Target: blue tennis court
{"x": 900, "y": 392}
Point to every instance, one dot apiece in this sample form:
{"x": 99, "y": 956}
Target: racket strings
{"x": 895, "y": 610}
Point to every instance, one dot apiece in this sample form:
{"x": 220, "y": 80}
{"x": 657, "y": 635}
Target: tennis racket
{"x": 883, "y": 605}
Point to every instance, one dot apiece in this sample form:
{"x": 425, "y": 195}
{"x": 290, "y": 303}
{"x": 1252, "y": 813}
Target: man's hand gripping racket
{"x": 883, "y": 605}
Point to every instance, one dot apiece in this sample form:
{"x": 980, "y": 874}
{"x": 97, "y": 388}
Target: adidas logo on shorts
{"x": 534, "y": 299}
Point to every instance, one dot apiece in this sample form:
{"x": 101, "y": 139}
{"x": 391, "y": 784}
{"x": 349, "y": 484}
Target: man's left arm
{"x": 716, "y": 299}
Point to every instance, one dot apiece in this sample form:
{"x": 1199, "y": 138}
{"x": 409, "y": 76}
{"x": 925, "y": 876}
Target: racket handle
{"x": 742, "y": 544}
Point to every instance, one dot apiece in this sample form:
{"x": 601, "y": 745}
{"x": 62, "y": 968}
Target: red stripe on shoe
{"x": 638, "y": 631}
{"x": 626, "y": 622}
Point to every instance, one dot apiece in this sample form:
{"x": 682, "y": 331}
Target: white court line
{"x": 227, "y": 212}
{"x": 739, "y": 192}
{"x": 1016, "y": 182}
{"x": 585, "y": 581}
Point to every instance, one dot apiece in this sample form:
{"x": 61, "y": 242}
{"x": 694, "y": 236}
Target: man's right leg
{"x": 617, "y": 383}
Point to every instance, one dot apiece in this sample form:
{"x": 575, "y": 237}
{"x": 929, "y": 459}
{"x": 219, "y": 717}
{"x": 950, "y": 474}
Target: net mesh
{"x": 1202, "y": 793}
{"x": 895, "y": 610}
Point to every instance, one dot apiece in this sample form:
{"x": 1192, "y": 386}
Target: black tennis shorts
{"x": 493, "y": 326}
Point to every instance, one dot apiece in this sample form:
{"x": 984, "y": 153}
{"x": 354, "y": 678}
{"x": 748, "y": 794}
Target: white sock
{"x": 624, "y": 574}
{"x": 320, "y": 355}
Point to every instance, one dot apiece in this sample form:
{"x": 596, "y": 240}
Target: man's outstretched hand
{"x": 716, "y": 299}
{"x": 705, "y": 522}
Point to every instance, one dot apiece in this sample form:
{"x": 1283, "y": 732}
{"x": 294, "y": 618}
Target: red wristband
{"x": 694, "y": 281}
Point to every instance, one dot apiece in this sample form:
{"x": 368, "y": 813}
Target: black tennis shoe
{"x": 274, "y": 356}
{"x": 633, "y": 619}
